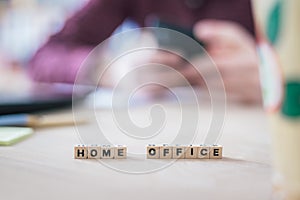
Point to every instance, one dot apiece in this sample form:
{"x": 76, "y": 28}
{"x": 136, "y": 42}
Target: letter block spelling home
{"x": 100, "y": 152}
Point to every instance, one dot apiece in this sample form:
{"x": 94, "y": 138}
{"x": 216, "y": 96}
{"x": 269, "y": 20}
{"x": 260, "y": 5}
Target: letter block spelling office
{"x": 184, "y": 152}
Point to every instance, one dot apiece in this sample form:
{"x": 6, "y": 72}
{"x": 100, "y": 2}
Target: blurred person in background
{"x": 225, "y": 27}
{"x": 24, "y": 25}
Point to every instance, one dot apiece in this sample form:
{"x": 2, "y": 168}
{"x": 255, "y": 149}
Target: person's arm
{"x": 60, "y": 58}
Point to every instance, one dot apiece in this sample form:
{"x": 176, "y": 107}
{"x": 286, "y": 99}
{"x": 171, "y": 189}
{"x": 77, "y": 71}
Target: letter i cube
{"x": 191, "y": 152}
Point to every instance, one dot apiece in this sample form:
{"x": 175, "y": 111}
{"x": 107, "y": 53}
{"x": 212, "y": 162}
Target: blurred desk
{"x": 42, "y": 167}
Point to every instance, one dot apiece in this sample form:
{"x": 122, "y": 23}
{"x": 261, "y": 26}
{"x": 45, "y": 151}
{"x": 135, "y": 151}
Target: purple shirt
{"x": 60, "y": 58}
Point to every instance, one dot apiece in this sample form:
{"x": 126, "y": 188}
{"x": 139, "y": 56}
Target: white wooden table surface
{"x": 42, "y": 167}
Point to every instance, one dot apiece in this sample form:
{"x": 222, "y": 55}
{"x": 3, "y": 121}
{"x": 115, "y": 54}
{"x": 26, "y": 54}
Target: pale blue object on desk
{"x": 33, "y": 120}
{"x": 14, "y": 120}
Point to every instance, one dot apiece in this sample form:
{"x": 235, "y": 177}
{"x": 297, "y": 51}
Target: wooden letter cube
{"x": 107, "y": 151}
{"x": 165, "y": 152}
{"x": 203, "y": 152}
{"x": 178, "y": 151}
{"x": 120, "y": 151}
{"x": 191, "y": 152}
{"x": 80, "y": 152}
{"x": 94, "y": 152}
{"x": 215, "y": 152}
{"x": 153, "y": 151}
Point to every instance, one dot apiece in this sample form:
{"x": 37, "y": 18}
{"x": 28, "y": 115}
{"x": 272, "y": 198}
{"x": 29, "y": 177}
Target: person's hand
{"x": 232, "y": 49}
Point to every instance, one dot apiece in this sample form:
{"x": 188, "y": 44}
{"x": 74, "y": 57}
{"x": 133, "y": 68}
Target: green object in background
{"x": 274, "y": 20}
{"x": 11, "y": 135}
{"x": 291, "y": 102}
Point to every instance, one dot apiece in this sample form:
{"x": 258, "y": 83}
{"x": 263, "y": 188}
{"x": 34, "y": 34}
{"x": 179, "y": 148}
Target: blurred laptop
{"x": 18, "y": 94}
